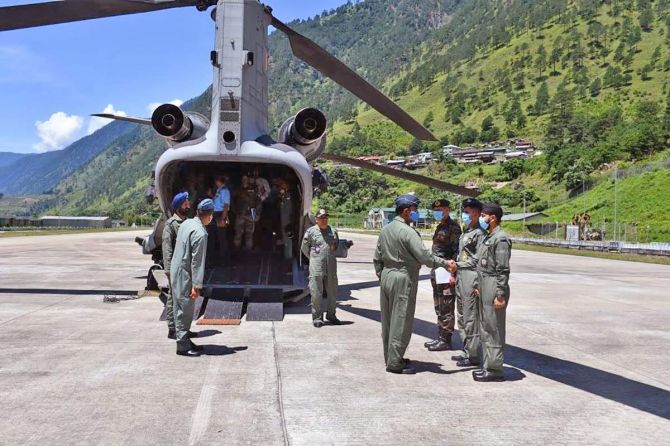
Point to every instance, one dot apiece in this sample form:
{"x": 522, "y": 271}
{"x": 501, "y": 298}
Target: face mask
{"x": 466, "y": 219}
{"x": 483, "y": 223}
{"x": 414, "y": 215}
{"x": 439, "y": 215}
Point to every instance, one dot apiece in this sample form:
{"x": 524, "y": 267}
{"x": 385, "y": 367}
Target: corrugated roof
{"x": 521, "y": 216}
{"x": 55, "y": 217}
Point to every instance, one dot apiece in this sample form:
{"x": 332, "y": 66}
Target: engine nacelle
{"x": 176, "y": 126}
{"x": 306, "y": 131}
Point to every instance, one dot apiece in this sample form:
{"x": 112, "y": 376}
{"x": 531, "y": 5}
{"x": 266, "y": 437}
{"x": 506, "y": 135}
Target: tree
{"x": 512, "y": 169}
{"x": 542, "y": 99}
{"x": 555, "y": 58}
{"x": 430, "y": 117}
{"x": 489, "y": 131}
{"x": 595, "y": 87}
{"x": 644, "y": 73}
{"x": 577, "y": 174}
{"x": 666, "y": 120}
{"x": 519, "y": 81}
{"x": 416, "y": 146}
{"x": 646, "y": 18}
{"x": 541, "y": 60}
{"x": 612, "y": 77}
{"x": 656, "y": 56}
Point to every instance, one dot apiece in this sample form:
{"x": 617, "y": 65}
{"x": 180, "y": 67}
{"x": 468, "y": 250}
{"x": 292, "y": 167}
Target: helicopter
{"x": 235, "y": 140}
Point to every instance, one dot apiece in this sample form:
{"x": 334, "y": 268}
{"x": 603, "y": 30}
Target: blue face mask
{"x": 414, "y": 215}
{"x": 483, "y": 223}
{"x": 439, "y": 215}
{"x": 466, "y": 219}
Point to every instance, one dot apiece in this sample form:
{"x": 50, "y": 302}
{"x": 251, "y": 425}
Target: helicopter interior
{"x": 257, "y": 243}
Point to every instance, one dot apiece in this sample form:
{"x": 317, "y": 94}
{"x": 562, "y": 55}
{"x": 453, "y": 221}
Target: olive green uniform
{"x": 445, "y": 246}
{"x": 493, "y": 280}
{"x": 316, "y": 246}
{"x": 169, "y": 239}
{"x": 398, "y": 258}
{"x": 245, "y": 205}
{"x": 466, "y": 282}
{"x": 187, "y": 271}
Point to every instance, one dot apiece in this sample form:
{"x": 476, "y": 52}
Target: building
{"x": 12, "y": 221}
{"x": 472, "y": 155}
{"x": 396, "y": 164}
{"x": 76, "y": 222}
{"x": 449, "y": 149}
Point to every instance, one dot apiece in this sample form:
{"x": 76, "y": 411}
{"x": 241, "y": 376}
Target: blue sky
{"x": 52, "y": 78}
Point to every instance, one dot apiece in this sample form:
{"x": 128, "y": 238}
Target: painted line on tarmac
{"x": 203, "y": 410}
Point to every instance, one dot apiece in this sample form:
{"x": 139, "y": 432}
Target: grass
{"x": 43, "y": 232}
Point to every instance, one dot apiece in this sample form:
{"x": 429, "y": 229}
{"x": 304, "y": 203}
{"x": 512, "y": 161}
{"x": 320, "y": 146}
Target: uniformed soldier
{"x": 246, "y": 214}
{"x": 398, "y": 258}
{"x": 180, "y": 206}
{"x": 319, "y": 245}
{"x": 493, "y": 282}
{"x": 187, "y": 272}
{"x": 286, "y": 207}
{"x": 445, "y": 246}
{"x": 466, "y": 282}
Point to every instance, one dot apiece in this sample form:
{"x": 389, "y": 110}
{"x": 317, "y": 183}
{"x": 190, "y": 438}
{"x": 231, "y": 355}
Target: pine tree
{"x": 542, "y": 99}
{"x": 555, "y": 57}
{"x": 541, "y": 60}
{"x": 595, "y": 87}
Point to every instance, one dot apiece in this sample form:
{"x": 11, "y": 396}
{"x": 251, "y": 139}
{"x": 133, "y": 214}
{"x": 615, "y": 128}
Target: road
{"x": 586, "y": 363}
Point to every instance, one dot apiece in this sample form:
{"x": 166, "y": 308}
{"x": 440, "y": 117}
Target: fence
{"x": 657, "y": 249}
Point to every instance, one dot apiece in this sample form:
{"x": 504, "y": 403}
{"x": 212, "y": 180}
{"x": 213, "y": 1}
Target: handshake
{"x": 451, "y": 266}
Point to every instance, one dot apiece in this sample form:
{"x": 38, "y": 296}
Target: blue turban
{"x": 406, "y": 201}
{"x": 178, "y": 200}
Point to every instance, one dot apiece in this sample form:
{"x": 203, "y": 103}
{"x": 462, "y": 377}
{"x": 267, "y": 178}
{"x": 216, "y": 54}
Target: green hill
{"x": 586, "y": 80}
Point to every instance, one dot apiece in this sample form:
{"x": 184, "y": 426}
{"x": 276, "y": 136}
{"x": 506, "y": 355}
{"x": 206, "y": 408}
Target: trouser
{"x": 317, "y": 284}
{"x": 398, "y": 303}
{"x": 465, "y": 284}
{"x": 183, "y": 317}
{"x": 444, "y": 299}
{"x": 244, "y": 228}
{"x": 169, "y": 308}
{"x": 491, "y": 327}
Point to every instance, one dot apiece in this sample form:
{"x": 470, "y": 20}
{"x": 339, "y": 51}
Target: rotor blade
{"x": 311, "y": 53}
{"x": 123, "y": 118}
{"x": 431, "y": 182}
{"x": 50, "y": 13}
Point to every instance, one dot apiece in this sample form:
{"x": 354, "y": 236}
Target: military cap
{"x": 406, "y": 201}
{"x": 322, "y": 213}
{"x": 441, "y": 203}
{"x": 472, "y": 203}
{"x": 493, "y": 209}
{"x": 178, "y": 200}
{"x": 206, "y": 205}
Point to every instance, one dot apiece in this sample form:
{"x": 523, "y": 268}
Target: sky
{"x": 52, "y": 78}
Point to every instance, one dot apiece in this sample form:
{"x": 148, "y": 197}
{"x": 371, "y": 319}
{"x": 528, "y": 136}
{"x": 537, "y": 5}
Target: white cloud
{"x": 96, "y": 123}
{"x": 154, "y": 105}
{"x": 58, "y": 131}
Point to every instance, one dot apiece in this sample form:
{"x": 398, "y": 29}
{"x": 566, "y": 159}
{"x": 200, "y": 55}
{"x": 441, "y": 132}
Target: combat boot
{"x": 441, "y": 345}
{"x": 429, "y": 343}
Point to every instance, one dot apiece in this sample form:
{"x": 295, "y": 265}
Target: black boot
{"x": 429, "y": 343}
{"x": 441, "y": 345}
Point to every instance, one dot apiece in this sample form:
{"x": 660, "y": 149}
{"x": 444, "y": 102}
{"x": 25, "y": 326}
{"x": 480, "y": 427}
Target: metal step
{"x": 265, "y": 305}
{"x": 223, "y": 307}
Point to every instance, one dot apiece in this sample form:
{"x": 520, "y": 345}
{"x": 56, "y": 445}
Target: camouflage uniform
{"x": 445, "y": 246}
{"x": 244, "y": 202}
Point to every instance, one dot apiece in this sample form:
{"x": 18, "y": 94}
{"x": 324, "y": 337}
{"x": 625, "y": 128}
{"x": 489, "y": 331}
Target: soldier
{"x": 286, "y": 207}
{"x": 319, "y": 245}
{"x": 187, "y": 272}
{"x": 445, "y": 246}
{"x": 246, "y": 214}
{"x": 398, "y": 258}
{"x": 466, "y": 282}
{"x": 180, "y": 206}
{"x": 493, "y": 284}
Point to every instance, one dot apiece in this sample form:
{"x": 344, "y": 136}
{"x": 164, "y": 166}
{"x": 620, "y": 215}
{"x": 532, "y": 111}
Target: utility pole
{"x": 616, "y": 177}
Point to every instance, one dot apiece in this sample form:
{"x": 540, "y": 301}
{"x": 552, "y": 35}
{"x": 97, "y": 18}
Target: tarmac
{"x": 587, "y": 359}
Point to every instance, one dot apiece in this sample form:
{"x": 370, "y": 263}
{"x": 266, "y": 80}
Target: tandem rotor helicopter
{"x": 236, "y": 141}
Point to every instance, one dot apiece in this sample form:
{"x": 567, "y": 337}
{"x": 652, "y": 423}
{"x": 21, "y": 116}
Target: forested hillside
{"x": 586, "y": 80}
{"x": 7, "y": 158}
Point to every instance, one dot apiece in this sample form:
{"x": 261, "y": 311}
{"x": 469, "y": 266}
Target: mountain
{"x": 7, "y": 158}
{"x": 586, "y": 80}
{"x": 39, "y": 173}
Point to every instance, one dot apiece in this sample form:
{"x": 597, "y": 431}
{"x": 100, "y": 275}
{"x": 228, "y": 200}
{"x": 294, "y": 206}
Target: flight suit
{"x": 466, "y": 282}
{"x": 398, "y": 258}
{"x": 246, "y": 205}
{"x": 169, "y": 239}
{"x": 493, "y": 280}
{"x": 316, "y": 246}
{"x": 187, "y": 271}
{"x": 445, "y": 246}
